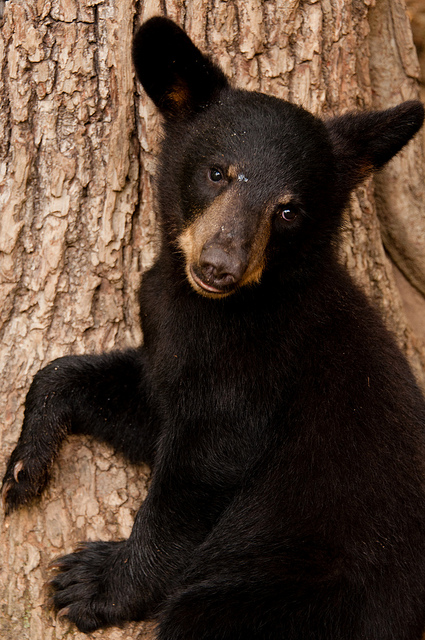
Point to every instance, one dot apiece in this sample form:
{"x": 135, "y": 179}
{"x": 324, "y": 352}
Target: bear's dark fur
{"x": 284, "y": 426}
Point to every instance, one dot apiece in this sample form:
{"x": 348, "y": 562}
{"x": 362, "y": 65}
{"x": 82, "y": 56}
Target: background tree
{"x": 416, "y": 12}
{"x": 77, "y": 228}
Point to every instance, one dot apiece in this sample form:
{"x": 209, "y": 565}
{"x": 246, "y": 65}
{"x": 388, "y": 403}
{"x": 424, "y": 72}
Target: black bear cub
{"x": 285, "y": 430}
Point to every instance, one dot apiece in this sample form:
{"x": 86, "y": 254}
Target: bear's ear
{"x": 174, "y": 73}
{"x": 364, "y": 142}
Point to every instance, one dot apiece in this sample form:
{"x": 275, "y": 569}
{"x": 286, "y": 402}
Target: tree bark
{"x": 77, "y": 228}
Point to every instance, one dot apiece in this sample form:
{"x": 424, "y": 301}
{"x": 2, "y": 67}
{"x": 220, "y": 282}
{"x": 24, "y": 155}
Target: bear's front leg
{"x": 97, "y": 587}
{"x": 105, "y": 584}
{"x": 106, "y": 396}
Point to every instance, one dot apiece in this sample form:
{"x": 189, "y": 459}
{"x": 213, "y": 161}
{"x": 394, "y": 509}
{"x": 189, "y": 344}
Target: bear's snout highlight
{"x": 221, "y": 266}
{"x": 224, "y": 247}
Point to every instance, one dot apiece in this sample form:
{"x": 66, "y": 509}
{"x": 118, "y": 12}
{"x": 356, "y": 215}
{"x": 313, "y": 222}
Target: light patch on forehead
{"x": 236, "y": 174}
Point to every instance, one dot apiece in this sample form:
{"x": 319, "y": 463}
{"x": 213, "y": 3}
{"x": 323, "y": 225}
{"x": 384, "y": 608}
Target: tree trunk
{"x": 77, "y": 155}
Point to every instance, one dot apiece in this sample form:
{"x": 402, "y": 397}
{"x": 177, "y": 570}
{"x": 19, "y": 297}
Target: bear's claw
{"x": 17, "y": 469}
{"x": 5, "y": 490}
{"x": 25, "y": 478}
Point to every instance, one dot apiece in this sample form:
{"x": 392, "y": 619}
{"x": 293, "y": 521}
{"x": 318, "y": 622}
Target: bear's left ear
{"x": 364, "y": 142}
{"x": 174, "y": 73}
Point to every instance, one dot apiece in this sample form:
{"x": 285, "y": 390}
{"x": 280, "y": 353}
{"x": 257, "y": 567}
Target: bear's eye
{"x": 287, "y": 212}
{"x": 216, "y": 175}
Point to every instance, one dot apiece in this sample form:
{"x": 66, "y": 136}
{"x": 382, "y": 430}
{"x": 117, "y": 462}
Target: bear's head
{"x": 248, "y": 183}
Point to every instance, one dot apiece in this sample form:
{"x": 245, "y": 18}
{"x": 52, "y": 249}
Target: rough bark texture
{"x": 77, "y": 229}
{"x": 416, "y": 12}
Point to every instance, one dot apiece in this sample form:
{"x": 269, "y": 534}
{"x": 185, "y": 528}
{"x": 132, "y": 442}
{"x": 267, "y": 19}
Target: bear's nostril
{"x": 216, "y": 273}
{"x": 225, "y": 279}
{"x": 208, "y": 271}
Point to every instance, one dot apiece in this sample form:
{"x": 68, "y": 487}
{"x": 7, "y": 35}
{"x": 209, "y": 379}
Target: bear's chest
{"x": 219, "y": 414}
{"x": 221, "y": 371}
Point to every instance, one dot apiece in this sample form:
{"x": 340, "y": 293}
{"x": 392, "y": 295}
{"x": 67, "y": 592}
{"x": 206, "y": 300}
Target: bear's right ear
{"x": 365, "y": 142}
{"x": 174, "y": 73}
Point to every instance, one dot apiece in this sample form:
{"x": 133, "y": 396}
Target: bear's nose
{"x": 220, "y": 267}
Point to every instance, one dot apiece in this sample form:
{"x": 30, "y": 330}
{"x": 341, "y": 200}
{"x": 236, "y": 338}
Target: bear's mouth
{"x": 204, "y": 288}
